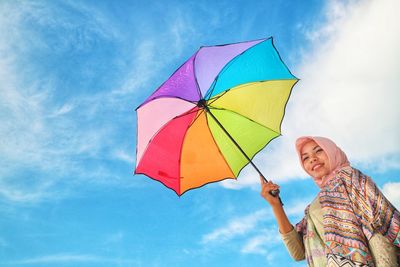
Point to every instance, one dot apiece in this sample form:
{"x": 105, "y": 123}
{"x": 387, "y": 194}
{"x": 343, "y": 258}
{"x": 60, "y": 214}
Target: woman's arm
{"x": 291, "y": 239}
{"x": 283, "y": 222}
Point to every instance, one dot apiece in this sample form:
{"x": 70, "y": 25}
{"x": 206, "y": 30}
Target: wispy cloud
{"x": 70, "y": 258}
{"x": 255, "y": 233}
{"x": 63, "y": 110}
{"x": 236, "y": 227}
{"x": 42, "y": 134}
{"x": 391, "y": 191}
{"x": 124, "y": 156}
{"x": 28, "y": 193}
{"x": 297, "y": 207}
{"x": 154, "y": 52}
{"x": 262, "y": 243}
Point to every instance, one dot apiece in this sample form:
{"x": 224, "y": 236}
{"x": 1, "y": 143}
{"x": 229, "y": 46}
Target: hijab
{"x": 337, "y": 158}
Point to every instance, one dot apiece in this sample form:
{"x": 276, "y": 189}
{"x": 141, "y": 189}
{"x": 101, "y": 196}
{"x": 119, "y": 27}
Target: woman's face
{"x": 315, "y": 160}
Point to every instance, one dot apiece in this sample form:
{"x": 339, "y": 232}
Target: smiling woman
{"x": 349, "y": 222}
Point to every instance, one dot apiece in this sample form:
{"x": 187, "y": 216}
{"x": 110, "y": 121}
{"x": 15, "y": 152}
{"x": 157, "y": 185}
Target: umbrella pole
{"x": 274, "y": 192}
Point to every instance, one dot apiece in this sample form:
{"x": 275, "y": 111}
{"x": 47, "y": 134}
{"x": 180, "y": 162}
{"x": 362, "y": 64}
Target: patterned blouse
{"x": 348, "y": 226}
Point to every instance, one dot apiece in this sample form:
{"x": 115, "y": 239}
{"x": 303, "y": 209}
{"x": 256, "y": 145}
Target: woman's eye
{"x": 305, "y": 158}
{"x": 319, "y": 150}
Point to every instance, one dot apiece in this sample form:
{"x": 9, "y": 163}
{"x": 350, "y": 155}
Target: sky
{"x": 72, "y": 74}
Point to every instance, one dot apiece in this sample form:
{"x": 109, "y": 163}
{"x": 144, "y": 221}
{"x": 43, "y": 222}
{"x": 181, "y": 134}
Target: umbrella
{"x": 210, "y": 118}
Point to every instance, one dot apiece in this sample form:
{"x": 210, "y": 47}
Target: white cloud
{"x": 236, "y": 227}
{"x": 65, "y": 109}
{"x": 39, "y": 134}
{"x": 124, "y": 156}
{"x": 297, "y": 207}
{"x": 391, "y": 191}
{"x": 348, "y": 91}
{"x": 244, "y": 225}
{"x": 71, "y": 258}
{"x": 262, "y": 243}
{"x": 349, "y": 82}
{"x": 40, "y": 191}
{"x": 255, "y": 233}
{"x": 151, "y": 57}
{"x": 181, "y": 30}
{"x": 57, "y": 258}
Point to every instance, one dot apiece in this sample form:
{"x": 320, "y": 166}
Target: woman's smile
{"x": 316, "y": 167}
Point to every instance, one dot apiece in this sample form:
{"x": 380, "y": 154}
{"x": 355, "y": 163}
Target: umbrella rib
{"x": 206, "y": 110}
{"x": 195, "y": 76}
{"x": 164, "y": 125}
{"x": 280, "y": 58}
{"x": 234, "y": 141}
{"x": 176, "y": 117}
{"x": 240, "y": 86}
{"x": 193, "y": 110}
{"x": 197, "y": 116}
{"x": 273, "y": 192}
{"x": 215, "y": 98}
{"x": 209, "y": 93}
{"x": 227, "y": 65}
{"x": 212, "y": 100}
{"x": 165, "y": 96}
{"x": 201, "y": 111}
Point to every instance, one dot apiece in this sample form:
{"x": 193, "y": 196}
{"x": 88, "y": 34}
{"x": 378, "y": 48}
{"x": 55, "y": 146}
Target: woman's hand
{"x": 266, "y": 188}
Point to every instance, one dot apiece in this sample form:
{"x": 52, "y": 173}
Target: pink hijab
{"x": 337, "y": 158}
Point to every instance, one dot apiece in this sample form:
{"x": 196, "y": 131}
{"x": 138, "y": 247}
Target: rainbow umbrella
{"x": 210, "y": 118}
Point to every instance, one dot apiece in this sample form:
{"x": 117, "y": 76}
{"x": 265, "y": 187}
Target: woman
{"x": 349, "y": 223}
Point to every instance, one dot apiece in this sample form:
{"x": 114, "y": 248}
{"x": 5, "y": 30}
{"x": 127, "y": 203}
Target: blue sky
{"x": 72, "y": 73}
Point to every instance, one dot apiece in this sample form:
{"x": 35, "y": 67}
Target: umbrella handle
{"x": 274, "y": 193}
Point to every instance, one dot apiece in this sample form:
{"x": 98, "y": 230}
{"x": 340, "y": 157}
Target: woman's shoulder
{"x": 341, "y": 175}
{"x": 354, "y": 178}
{"x": 347, "y": 176}
{"x": 347, "y": 171}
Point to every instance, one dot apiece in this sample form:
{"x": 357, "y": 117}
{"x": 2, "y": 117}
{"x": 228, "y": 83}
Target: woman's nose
{"x": 313, "y": 158}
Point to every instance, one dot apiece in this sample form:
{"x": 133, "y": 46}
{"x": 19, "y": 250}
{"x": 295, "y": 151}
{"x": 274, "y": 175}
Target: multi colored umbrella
{"x": 210, "y": 118}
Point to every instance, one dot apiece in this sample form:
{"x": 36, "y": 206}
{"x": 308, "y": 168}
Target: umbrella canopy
{"x": 209, "y": 119}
